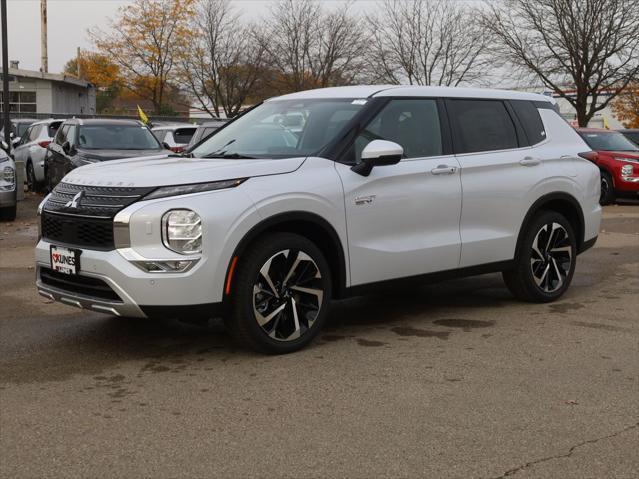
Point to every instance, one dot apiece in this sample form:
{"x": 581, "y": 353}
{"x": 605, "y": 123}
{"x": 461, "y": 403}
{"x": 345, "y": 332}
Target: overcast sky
{"x": 70, "y": 19}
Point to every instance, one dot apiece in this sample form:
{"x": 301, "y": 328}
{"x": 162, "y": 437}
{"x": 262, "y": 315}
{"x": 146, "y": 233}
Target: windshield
{"x": 281, "y": 129}
{"x": 117, "y": 137}
{"x": 604, "y": 141}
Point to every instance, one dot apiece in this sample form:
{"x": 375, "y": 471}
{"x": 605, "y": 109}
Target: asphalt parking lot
{"x": 451, "y": 380}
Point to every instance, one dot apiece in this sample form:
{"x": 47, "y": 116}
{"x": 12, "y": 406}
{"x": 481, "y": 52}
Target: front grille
{"x": 82, "y": 216}
{"x": 82, "y": 285}
{"x": 95, "y": 201}
{"x": 90, "y": 233}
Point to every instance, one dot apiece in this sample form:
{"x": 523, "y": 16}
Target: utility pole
{"x": 5, "y": 75}
{"x": 43, "y": 37}
{"x": 77, "y": 61}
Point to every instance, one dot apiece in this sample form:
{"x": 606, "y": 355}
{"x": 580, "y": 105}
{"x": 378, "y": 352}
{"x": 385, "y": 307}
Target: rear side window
{"x": 530, "y": 119}
{"x": 481, "y": 125}
{"x": 183, "y": 135}
{"x": 160, "y": 134}
{"x": 53, "y": 128}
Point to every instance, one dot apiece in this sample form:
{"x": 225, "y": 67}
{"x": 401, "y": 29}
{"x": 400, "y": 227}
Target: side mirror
{"x": 378, "y": 153}
{"x": 16, "y": 141}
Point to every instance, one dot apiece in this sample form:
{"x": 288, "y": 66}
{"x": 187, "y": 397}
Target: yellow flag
{"x": 605, "y": 123}
{"x": 143, "y": 117}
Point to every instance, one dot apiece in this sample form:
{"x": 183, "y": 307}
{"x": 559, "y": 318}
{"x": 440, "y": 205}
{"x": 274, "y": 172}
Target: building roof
{"x": 56, "y": 77}
{"x": 367, "y": 91}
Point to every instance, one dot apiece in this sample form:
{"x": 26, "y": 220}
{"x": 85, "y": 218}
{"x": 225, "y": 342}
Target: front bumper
{"x": 141, "y": 295}
{"x": 8, "y": 198}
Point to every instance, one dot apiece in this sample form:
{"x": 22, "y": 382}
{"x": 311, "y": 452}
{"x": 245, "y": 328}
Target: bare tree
{"x": 578, "y": 48}
{"x": 426, "y": 42}
{"x": 224, "y": 63}
{"x": 309, "y": 47}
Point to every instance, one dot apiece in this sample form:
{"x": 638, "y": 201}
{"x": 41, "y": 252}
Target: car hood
{"x": 107, "y": 155}
{"x": 163, "y": 171}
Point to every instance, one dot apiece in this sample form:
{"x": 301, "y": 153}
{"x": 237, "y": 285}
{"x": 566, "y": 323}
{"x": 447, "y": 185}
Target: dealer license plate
{"x": 65, "y": 260}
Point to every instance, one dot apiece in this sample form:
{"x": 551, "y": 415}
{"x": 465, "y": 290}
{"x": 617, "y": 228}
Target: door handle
{"x": 530, "y": 161}
{"x": 444, "y": 170}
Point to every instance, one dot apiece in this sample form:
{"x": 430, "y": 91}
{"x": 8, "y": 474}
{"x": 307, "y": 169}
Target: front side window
{"x": 481, "y": 125}
{"x": 411, "y": 123}
{"x": 117, "y": 137}
{"x": 608, "y": 141}
{"x": 282, "y": 129}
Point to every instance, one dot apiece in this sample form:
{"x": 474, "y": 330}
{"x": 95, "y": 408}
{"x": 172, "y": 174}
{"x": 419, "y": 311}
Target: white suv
{"x": 264, "y": 225}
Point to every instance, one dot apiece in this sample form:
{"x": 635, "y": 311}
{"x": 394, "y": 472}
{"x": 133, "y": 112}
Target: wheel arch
{"x": 310, "y": 225}
{"x": 563, "y": 203}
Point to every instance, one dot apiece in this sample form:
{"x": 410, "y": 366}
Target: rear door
{"x": 403, "y": 220}
{"x": 498, "y": 173}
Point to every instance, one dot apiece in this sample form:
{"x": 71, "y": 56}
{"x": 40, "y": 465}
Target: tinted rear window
{"x": 183, "y": 135}
{"x": 481, "y": 125}
{"x": 530, "y": 119}
{"x": 53, "y": 128}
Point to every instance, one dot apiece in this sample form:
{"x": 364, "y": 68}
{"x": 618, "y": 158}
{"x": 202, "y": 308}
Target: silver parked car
{"x": 32, "y": 149}
{"x": 175, "y": 137}
{"x": 8, "y": 198}
{"x": 204, "y": 130}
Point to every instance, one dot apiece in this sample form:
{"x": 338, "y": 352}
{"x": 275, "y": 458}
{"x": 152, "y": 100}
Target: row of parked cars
{"x": 50, "y": 148}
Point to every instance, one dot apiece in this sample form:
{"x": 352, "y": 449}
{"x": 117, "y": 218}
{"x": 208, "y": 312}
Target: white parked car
{"x": 8, "y": 198}
{"x": 175, "y": 137}
{"x": 32, "y": 148}
{"x": 383, "y": 184}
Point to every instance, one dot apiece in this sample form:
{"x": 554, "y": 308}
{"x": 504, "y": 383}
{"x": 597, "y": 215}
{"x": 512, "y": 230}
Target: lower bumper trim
{"x": 191, "y": 311}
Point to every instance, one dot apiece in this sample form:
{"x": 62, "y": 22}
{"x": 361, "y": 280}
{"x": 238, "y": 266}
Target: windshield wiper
{"x": 230, "y": 156}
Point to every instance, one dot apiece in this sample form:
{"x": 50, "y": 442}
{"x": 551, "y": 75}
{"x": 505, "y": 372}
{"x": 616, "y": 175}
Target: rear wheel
{"x": 607, "y": 189}
{"x": 32, "y": 184}
{"x": 280, "y": 294}
{"x": 546, "y": 263}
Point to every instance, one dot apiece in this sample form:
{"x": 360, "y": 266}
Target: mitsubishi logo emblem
{"x": 75, "y": 202}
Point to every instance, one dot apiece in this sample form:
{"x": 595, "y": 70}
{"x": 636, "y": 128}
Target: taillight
{"x": 177, "y": 149}
{"x": 44, "y": 143}
{"x": 589, "y": 155}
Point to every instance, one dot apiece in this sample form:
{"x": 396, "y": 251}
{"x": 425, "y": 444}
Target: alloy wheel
{"x": 551, "y": 257}
{"x": 288, "y": 295}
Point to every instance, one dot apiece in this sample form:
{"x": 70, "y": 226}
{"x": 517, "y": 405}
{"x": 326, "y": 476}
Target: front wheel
{"x": 280, "y": 294}
{"x": 546, "y": 260}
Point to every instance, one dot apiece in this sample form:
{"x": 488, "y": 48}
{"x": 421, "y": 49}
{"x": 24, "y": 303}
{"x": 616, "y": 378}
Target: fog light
{"x": 9, "y": 174}
{"x": 627, "y": 170}
{"x": 166, "y": 266}
{"x": 182, "y": 231}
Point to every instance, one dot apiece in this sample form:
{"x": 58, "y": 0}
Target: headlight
{"x": 182, "y": 231}
{"x": 193, "y": 188}
{"x": 9, "y": 174}
{"x": 627, "y": 170}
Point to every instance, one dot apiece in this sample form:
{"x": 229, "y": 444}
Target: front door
{"x": 403, "y": 220}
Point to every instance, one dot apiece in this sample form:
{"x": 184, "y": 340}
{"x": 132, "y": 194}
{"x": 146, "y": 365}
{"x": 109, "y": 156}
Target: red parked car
{"x": 618, "y": 159}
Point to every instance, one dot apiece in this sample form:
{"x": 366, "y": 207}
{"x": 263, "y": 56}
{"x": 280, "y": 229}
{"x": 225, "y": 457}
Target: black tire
{"x": 32, "y": 184}
{"x": 607, "y": 189}
{"x": 546, "y": 259}
{"x": 8, "y": 213}
{"x": 252, "y": 293}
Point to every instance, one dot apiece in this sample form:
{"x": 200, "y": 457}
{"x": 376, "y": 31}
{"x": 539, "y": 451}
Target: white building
{"x": 34, "y": 92}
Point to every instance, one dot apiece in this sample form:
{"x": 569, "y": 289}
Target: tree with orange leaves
{"x": 626, "y": 106}
{"x": 143, "y": 40}
{"x": 99, "y": 70}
